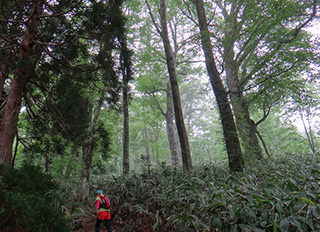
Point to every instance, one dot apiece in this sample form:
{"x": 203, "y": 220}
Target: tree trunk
{"x": 171, "y": 131}
{"x": 171, "y": 65}
{"x": 9, "y": 121}
{"x": 10, "y": 117}
{"x": 126, "y": 136}
{"x": 156, "y": 152}
{"x": 244, "y": 123}
{"x": 48, "y": 159}
{"x": 236, "y": 162}
{"x": 15, "y": 151}
{"x": 3, "y": 77}
{"x": 146, "y": 140}
{"x": 209, "y": 154}
{"x": 308, "y": 133}
{"x": 86, "y": 161}
{"x": 263, "y": 143}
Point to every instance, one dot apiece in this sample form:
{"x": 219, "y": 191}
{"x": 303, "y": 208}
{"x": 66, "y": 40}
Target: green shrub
{"x": 30, "y": 200}
{"x": 280, "y": 194}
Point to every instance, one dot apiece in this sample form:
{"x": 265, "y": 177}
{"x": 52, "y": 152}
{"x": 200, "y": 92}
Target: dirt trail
{"x": 139, "y": 223}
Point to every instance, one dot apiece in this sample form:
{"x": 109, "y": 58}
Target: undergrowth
{"x": 31, "y": 201}
{"x": 280, "y": 194}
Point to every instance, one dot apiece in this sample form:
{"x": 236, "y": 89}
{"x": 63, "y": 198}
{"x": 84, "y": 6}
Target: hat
{"x": 99, "y": 191}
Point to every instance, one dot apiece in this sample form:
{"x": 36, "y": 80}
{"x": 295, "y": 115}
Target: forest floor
{"x": 87, "y": 223}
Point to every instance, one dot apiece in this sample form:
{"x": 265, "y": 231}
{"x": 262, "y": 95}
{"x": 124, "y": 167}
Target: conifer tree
{"x": 51, "y": 54}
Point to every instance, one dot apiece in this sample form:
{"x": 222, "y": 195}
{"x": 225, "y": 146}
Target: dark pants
{"x": 108, "y": 224}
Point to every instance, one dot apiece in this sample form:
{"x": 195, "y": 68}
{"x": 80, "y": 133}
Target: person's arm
{"x": 108, "y": 202}
{"x": 98, "y": 205}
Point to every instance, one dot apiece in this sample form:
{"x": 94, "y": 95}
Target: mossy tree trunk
{"x": 235, "y": 158}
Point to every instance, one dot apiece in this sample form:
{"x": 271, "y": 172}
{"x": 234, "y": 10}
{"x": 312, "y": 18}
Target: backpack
{"x": 104, "y": 203}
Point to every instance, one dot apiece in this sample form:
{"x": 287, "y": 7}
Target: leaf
{"x": 284, "y": 224}
{"x": 234, "y": 209}
{"x": 316, "y": 211}
{"x": 217, "y": 223}
{"x": 307, "y": 200}
{"x": 315, "y": 172}
{"x": 155, "y": 226}
{"x": 216, "y": 205}
{"x": 274, "y": 228}
{"x": 263, "y": 223}
{"x": 296, "y": 223}
{"x": 250, "y": 228}
{"x": 297, "y": 209}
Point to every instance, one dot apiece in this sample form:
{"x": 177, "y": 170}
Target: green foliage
{"x": 281, "y": 136}
{"x": 281, "y": 194}
{"x": 31, "y": 200}
{"x": 73, "y": 105}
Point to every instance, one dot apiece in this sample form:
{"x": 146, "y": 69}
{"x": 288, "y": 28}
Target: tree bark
{"x": 9, "y": 121}
{"x": 263, "y": 143}
{"x": 10, "y": 117}
{"x": 209, "y": 154}
{"x": 86, "y": 161}
{"x": 308, "y": 133}
{"x": 146, "y": 140}
{"x": 3, "y": 77}
{"x": 126, "y": 136}
{"x": 244, "y": 123}
{"x": 235, "y": 158}
{"x": 171, "y": 130}
{"x": 171, "y": 65}
{"x": 48, "y": 158}
{"x": 170, "y": 126}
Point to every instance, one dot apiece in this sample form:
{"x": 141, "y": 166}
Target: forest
{"x": 190, "y": 115}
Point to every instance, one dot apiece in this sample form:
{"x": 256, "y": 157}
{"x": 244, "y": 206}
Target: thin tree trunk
{"x": 209, "y": 154}
{"x": 263, "y": 143}
{"x": 126, "y": 136}
{"x": 126, "y": 76}
{"x": 115, "y": 162}
{"x": 48, "y": 160}
{"x": 89, "y": 143}
{"x": 156, "y": 148}
{"x": 236, "y": 162}
{"x": 171, "y": 65}
{"x": 146, "y": 140}
{"x": 169, "y": 114}
{"x": 171, "y": 131}
{"x": 15, "y": 151}
{"x": 311, "y": 134}
{"x": 171, "y": 127}
{"x": 308, "y": 134}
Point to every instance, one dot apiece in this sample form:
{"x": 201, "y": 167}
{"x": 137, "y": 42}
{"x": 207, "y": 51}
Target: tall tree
{"x": 21, "y": 41}
{"x": 246, "y": 27}
{"x": 171, "y": 65}
{"x": 155, "y": 83}
{"x": 236, "y": 162}
{"x": 256, "y": 46}
{"x": 171, "y": 129}
{"x": 304, "y": 108}
{"x": 49, "y": 43}
{"x": 168, "y": 113}
{"x": 126, "y": 76}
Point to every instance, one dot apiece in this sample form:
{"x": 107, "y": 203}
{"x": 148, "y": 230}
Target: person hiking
{"x": 103, "y": 211}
